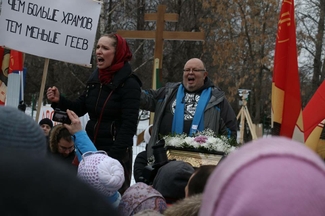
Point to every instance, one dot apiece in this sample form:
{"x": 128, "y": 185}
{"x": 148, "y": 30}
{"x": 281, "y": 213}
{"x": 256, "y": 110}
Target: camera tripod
{"x": 244, "y": 114}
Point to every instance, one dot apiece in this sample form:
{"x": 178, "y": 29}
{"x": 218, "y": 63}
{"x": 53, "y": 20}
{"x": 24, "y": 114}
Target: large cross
{"x": 160, "y": 35}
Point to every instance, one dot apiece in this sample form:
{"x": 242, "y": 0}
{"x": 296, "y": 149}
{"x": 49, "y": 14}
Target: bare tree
{"x": 311, "y": 16}
{"x": 238, "y": 48}
{"x": 241, "y": 38}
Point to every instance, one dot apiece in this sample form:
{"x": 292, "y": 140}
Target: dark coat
{"x": 119, "y": 110}
{"x": 65, "y": 161}
{"x": 140, "y": 163}
{"x": 218, "y": 114}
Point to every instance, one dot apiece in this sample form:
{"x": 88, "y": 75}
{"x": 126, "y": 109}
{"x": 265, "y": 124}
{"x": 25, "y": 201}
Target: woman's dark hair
{"x": 199, "y": 179}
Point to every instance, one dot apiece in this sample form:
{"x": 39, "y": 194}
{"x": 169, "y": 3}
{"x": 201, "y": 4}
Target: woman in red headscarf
{"x": 111, "y": 99}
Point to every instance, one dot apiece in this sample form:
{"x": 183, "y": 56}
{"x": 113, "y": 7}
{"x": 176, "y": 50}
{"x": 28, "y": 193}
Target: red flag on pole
{"x": 314, "y": 114}
{"x": 3, "y": 77}
{"x": 286, "y": 99}
{"x": 2, "y": 52}
{"x": 16, "y": 61}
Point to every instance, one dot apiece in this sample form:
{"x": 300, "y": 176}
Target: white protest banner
{"x": 63, "y": 30}
{"x": 47, "y": 112}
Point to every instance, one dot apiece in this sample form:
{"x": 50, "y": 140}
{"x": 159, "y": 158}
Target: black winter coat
{"x": 118, "y": 123}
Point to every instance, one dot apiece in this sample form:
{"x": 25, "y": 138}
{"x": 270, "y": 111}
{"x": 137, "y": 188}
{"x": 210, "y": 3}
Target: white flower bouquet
{"x": 205, "y": 141}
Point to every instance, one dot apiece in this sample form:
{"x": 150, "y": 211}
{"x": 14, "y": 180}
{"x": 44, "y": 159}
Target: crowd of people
{"x": 65, "y": 170}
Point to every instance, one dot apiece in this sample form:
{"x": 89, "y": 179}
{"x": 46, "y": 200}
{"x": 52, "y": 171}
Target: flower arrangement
{"x": 205, "y": 140}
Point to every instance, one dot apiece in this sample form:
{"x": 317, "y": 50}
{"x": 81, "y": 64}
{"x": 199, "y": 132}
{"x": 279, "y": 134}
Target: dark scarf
{"x": 122, "y": 55}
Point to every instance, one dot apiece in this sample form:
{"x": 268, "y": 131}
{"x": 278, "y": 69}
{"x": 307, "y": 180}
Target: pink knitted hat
{"x": 270, "y": 176}
{"x": 102, "y": 172}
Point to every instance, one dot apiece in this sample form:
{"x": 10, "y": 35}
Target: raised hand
{"x": 75, "y": 125}
{"x": 53, "y": 94}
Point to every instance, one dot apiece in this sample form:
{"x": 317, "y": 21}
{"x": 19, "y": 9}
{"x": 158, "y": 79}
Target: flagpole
{"x": 41, "y": 93}
{"x": 21, "y": 75}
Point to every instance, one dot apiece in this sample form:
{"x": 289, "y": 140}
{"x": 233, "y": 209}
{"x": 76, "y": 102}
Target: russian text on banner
{"x": 63, "y": 30}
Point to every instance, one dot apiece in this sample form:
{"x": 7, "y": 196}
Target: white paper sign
{"x": 63, "y": 30}
{"x": 47, "y": 112}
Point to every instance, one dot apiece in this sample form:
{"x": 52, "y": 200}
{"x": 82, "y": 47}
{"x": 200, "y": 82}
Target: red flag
{"x": 16, "y": 61}
{"x": 286, "y": 99}
{"x": 3, "y": 76}
{"x": 2, "y": 52}
{"x": 314, "y": 114}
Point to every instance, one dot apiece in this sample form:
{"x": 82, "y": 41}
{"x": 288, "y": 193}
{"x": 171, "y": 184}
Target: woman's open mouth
{"x": 100, "y": 60}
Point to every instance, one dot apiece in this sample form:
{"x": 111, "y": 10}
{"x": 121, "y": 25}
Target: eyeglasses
{"x": 193, "y": 70}
{"x": 92, "y": 153}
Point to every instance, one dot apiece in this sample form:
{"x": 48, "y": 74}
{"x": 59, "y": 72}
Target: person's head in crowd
{"x": 171, "y": 180}
{"x": 22, "y": 106}
{"x": 61, "y": 141}
{"x": 20, "y": 132}
{"x": 194, "y": 74}
{"x": 269, "y": 176}
{"x": 140, "y": 197}
{"x": 46, "y": 124}
{"x": 103, "y": 173}
{"x": 38, "y": 186}
{"x": 198, "y": 180}
{"x": 189, "y": 206}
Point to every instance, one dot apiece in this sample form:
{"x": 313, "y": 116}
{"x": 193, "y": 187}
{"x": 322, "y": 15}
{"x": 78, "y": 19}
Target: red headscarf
{"x": 122, "y": 54}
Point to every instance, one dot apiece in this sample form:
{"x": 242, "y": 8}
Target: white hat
{"x": 102, "y": 172}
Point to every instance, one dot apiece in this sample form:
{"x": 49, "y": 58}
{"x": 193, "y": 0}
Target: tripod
{"x": 244, "y": 114}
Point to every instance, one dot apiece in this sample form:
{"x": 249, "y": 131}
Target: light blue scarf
{"x": 198, "y": 119}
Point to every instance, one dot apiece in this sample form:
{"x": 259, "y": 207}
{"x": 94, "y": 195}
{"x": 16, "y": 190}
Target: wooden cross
{"x": 160, "y": 35}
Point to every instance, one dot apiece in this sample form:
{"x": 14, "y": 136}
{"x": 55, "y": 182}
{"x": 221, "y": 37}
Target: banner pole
{"x": 21, "y": 76}
{"x": 41, "y": 93}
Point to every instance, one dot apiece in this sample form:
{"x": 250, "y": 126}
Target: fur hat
{"x": 172, "y": 178}
{"x": 46, "y": 121}
{"x": 102, "y": 172}
{"x": 189, "y": 206}
{"x": 19, "y": 131}
{"x": 56, "y": 133}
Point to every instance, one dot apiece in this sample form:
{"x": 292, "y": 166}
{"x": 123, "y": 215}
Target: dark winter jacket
{"x": 140, "y": 162}
{"x": 65, "y": 161}
{"x": 118, "y": 110}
